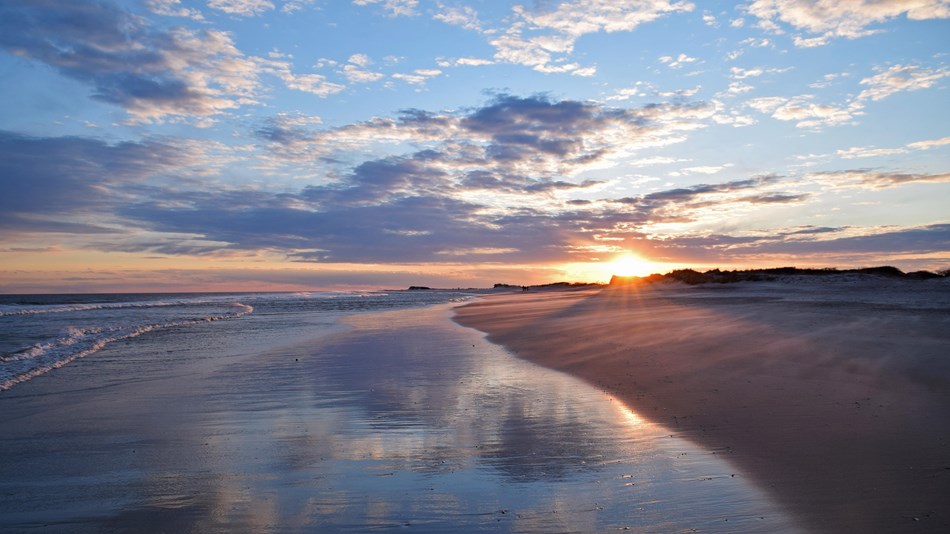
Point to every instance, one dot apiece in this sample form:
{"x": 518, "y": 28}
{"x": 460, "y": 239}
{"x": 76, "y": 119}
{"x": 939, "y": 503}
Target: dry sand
{"x": 833, "y": 395}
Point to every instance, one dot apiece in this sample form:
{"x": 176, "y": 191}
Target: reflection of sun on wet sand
{"x": 833, "y": 393}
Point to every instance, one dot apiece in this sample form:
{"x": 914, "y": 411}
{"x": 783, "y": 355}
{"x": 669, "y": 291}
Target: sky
{"x": 220, "y": 145}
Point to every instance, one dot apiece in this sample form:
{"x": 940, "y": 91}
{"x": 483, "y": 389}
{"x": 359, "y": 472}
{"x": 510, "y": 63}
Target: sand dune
{"x": 833, "y": 395}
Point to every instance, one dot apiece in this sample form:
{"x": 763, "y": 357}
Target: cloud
{"x": 900, "y": 78}
{"x": 866, "y": 178}
{"x": 707, "y": 169}
{"x": 152, "y": 74}
{"x": 464, "y": 62}
{"x": 927, "y": 145}
{"x": 738, "y": 88}
{"x": 579, "y": 18}
{"x": 356, "y": 70}
{"x": 812, "y": 115}
{"x": 438, "y": 205}
{"x": 45, "y": 183}
{"x": 841, "y": 242}
{"x": 868, "y": 152}
{"x": 626, "y": 93}
{"x": 418, "y": 76}
{"x": 453, "y": 193}
{"x": 678, "y": 62}
{"x": 463, "y": 16}
{"x": 805, "y": 111}
{"x": 543, "y": 38}
{"x": 396, "y": 8}
{"x": 849, "y": 19}
{"x": 245, "y": 8}
{"x": 173, "y": 8}
{"x": 527, "y": 136}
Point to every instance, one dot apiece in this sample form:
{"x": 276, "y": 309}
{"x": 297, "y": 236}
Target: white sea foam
{"x": 43, "y": 357}
{"x": 44, "y": 309}
{"x": 36, "y": 337}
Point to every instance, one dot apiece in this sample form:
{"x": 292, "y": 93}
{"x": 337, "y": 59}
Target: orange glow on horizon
{"x": 629, "y": 264}
{"x": 623, "y": 264}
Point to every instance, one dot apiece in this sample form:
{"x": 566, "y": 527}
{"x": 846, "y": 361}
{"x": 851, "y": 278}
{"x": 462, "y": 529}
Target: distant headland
{"x": 716, "y": 276}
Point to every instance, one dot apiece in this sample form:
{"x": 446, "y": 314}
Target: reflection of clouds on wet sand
{"x": 410, "y": 419}
{"x": 404, "y": 419}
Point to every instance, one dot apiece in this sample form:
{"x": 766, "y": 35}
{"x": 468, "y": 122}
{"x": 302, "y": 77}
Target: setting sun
{"x": 628, "y": 264}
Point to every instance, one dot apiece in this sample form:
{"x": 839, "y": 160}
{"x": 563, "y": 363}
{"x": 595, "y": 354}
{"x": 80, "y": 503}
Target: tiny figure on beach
{"x": 524, "y": 288}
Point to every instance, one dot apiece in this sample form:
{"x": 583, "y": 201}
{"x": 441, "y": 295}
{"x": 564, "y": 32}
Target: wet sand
{"x": 394, "y": 420}
{"x": 834, "y": 396}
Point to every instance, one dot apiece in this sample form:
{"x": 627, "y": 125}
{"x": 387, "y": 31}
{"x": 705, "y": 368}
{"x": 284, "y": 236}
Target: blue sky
{"x": 224, "y": 144}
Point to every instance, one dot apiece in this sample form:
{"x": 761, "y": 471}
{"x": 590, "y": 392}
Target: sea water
{"x": 324, "y": 412}
{"x": 39, "y": 333}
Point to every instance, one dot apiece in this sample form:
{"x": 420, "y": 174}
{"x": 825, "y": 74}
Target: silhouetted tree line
{"x": 716, "y": 276}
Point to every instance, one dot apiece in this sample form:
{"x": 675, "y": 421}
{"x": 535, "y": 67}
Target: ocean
{"x": 39, "y": 333}
{"x": 326, "y": 412}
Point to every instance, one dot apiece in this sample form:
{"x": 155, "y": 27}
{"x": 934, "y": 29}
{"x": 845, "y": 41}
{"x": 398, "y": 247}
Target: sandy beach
{"x": 834, "y": 395}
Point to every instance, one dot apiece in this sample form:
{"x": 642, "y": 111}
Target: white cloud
{"x": 741, "y": 74}
{"x": 464, "y": 16}
{"x": 680, "y": 93}
{"x": 738, "y": 88}
{"x": 315, "y": 84}
{"x": 292, "y": 6}
{"x": 627, "y": 92}
{"x": 766, "y": 104}
{"x": 677, "y": 62}
{"x": 827, "y": 79}
{"x": 591, "y": 16}
{"x": 543, "y": 38}
{"x": 707, "y": 169}
{"x": 805, "y": 111}
{"x": 355, "y": 74}
{"x": 394, "y": 7}
{"x": 310, "y": 83}
{"x": 172, "y": 8}
{"x": 868, "y": 152}
{"x": 418, "y": 76}
{"x": 710, "y": 19}
{"x": 356, "y": 71}
{"x": 927, "y": 145}
{"x": 325, "y": 62}
{"x": 360, "y": 60}
{"x": 869, "y": 179}
{"x": 802, "y": 108}
{"x": 245, "y": 8}
{"x": 473, "y": 62}
{"x": 900, "y": 78}
{"x": 849, "y": 19}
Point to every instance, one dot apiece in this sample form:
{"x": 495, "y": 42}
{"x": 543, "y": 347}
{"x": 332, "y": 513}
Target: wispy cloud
{"x": 244, "y": 8}
{"x": 394, "y": 8}
{"x": 544, "y": 39}
{"x": 900, "y": 78}
{"x": 173, "y": 8}
{"x": 813, "y": 115}
{"x": 866, "y": 178}
{"x": 805, "y": 111}
{"x": 848, "y": 19}
{"x": 357, "y": 70}
{"x": 418, "y": 76}
{"x": 463, "y": 16}
{"x": 677, "y": 62}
